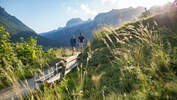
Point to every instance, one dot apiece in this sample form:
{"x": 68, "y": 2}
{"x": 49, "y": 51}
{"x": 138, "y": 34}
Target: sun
{"x": 144, "y": 3}
{"x": 162, "y": 2}
{"x": 151, "y": 3}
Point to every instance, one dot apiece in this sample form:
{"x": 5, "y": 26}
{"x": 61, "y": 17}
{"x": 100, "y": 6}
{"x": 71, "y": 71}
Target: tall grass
{"x": 136, "y": 62}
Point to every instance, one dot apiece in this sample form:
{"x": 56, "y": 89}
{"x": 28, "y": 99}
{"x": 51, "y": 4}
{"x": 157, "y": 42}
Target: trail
{"x": 29, "y": 85}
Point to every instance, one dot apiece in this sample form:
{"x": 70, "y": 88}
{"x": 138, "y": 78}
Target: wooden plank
{"x": 69, "y": 69}
{"x": 58, "y": 77}
{"x": 71, "y": 58}
{"x": 71, "y": 62}
{"x": 47, "y": 76}
{"x": 54, "y": 78}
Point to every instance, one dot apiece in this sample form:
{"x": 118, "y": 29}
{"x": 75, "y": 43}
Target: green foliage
{"x": 5, "y": 46}
{"x": 21, "y": 60}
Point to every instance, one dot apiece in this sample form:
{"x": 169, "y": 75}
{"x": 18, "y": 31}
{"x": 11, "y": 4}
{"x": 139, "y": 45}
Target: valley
{"x": 129, "y": 54}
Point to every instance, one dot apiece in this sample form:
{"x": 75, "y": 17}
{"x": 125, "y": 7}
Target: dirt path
{"x": 13, "y": 93}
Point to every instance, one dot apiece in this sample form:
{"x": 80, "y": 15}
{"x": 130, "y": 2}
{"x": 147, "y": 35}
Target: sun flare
{"x": 144, "y": 3}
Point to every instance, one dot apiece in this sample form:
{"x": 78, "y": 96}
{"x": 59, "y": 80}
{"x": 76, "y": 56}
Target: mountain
{"x": 117, "y": 17}
{"x": 74, "y": 22}
{"x": 76, "y": 25}
{"x": 11, "y": 23}
{"x": 17, "y": 29}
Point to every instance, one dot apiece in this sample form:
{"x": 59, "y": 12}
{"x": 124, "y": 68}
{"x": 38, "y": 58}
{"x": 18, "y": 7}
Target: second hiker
{"x": 73, "y": 43}
{"x": 81, "y": 40}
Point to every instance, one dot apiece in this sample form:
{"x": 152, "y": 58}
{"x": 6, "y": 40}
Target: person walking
{"x": 81, "y": 40}
{"x": 73, "y": 44}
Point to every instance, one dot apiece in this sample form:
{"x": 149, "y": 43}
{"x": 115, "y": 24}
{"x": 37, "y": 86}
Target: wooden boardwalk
{"x": 28, "y": 85}
{"x": 56, "y": 73}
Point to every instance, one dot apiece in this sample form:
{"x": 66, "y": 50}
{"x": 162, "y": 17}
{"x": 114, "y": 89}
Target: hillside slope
{"x": 17, "y": 29}
{"x": 137, "y": 61}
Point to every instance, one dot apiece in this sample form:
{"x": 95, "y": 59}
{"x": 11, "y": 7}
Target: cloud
{"x": 110, "y": 3}
{"x": 105, "y": 5}
{"x": 86, "y": 10}
{"x": 73, "y": 11}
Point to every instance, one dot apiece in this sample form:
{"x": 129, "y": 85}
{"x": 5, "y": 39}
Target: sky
{"x": 46, "y": 15}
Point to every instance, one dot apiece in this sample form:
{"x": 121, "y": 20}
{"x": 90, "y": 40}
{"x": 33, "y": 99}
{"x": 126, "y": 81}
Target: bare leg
{"x": 73, "y": 49}
{"x": 81, "y": 48}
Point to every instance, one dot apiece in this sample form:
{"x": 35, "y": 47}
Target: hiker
{"x": 81, "y": 40}
{"x": 73, "y": 43}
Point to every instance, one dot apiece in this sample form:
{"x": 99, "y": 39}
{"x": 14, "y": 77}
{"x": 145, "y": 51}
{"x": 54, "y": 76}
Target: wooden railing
{"x": 61, "y": 69}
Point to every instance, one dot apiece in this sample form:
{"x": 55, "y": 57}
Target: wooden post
{"x": 62, "y": 64}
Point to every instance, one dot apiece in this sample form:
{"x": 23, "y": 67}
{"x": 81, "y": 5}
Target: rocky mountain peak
{"x": 74, "y": 22}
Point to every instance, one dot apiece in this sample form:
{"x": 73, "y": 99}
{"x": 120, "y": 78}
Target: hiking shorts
{"x": 81, "y": 44}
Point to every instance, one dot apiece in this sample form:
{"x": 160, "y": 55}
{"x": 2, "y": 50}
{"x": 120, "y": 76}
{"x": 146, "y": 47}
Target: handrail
{"x": 48, "y": 75}
{"x": 62, "y": 63}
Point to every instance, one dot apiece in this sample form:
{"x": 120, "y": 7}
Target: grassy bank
{"x": 137, "y": 61}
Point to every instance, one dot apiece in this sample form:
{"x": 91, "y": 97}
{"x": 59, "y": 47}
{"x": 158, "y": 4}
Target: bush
{"x": 21, "y": 60}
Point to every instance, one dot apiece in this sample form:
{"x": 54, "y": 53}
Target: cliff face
{"x": 74, "y": 22}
